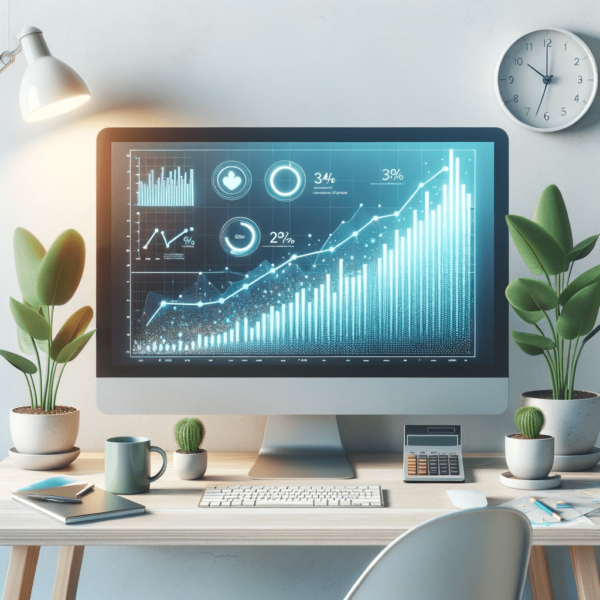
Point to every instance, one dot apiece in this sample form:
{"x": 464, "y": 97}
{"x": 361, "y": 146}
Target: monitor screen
{"x": 306, "y": 256}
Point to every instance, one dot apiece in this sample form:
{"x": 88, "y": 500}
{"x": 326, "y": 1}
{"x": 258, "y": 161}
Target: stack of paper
{"x": 580, "y": 503}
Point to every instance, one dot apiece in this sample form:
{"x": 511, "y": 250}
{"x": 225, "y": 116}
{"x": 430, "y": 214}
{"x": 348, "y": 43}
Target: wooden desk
{"x": 174, "y": 519}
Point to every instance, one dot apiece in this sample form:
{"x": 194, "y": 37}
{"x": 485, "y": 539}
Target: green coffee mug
{"x": 127, "y": 464}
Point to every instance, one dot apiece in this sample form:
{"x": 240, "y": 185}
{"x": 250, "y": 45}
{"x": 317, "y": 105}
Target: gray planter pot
{"x": 529, "y": 459}
{"x": 190, "y": 466}
{"x": 44, "y": 434}
{"x": 574, "y": 424}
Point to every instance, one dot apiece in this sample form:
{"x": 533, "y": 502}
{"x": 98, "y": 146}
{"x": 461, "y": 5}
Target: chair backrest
{"x": 474, "y": 554}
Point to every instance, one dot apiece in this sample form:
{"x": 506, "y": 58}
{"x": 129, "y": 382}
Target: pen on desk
{"x": 545, "y": 508}
{"x": 61, "y": 499}
{"x": 85, "y": 490}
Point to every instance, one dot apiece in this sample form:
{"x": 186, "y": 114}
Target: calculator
{"x": 433, "y": 453}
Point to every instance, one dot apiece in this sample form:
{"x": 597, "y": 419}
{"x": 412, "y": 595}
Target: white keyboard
{"x": 292, "y": 496}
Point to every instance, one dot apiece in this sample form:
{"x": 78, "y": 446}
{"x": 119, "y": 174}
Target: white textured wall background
{"x": 268, "y": 63}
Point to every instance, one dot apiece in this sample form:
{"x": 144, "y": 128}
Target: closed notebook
{"x": 96, "y": 505}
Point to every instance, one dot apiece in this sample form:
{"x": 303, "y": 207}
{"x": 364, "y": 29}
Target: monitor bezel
{"x": 104, "y": 367}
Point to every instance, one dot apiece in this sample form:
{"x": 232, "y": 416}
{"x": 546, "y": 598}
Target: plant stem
{"x": 59, "y": 378}
{"x": 551, "y": 373}
{"x": 41, "y": 397}
{"x": 30, "y": 392}
{"x": 578, "y": 353}
{"x": 567, "y": 372}
{"x": 570, "y": 271}
{"x": 557, "y": 374}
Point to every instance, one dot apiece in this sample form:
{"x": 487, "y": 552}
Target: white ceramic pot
{"x": 529, "y": 459}
{"x": 190, "y": 466}
{"x": 44, "y": 434}
{"x": 574, "y": 424}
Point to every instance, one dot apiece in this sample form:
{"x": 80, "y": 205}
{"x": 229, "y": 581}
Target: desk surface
{"x": 173, "y": 518}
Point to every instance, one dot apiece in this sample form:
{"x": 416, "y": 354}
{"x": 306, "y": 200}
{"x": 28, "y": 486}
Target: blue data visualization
{"x": 308, "y": 250}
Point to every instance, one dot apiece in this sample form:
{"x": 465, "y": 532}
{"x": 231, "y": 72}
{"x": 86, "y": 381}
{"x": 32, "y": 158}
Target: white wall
{"x": 269, "y": 63}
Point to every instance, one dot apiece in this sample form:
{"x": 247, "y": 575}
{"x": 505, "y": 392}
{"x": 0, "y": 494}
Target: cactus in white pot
{"x": 189, "y": 460}
{"x": 529, "y": 455}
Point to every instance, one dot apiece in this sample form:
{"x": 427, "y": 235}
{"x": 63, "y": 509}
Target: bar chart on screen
{"x": 387, "y": 281}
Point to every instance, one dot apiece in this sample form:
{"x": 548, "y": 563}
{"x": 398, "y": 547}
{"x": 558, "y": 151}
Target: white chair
{"x": 474, "y": 554}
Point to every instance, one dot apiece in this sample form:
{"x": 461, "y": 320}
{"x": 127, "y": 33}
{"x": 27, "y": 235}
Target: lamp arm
{"x": 8, "y": 58}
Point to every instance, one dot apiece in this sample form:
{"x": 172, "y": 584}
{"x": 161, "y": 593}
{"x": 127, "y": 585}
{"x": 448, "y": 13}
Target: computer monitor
{"x": 308, "y": 272}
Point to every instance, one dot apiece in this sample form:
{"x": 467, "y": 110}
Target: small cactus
{"x": 189, "y": 434}
{"x": 530, "y": 421}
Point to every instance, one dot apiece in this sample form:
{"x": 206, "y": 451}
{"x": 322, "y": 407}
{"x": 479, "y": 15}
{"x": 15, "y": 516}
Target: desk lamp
{"x": 49, "y": 87}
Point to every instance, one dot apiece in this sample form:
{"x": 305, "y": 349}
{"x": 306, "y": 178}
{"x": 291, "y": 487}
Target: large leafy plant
{"x": 46, "y": 280}
{"x": 563, "y": 312}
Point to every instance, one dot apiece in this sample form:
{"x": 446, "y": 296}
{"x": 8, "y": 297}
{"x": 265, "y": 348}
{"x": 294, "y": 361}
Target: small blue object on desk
{"x": 51, "y": 482}
{"x": 546, "y": 509}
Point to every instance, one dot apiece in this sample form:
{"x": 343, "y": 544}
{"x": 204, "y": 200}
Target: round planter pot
{"x": 44, "y": 434}
{"x": 529, "y": 459}
{"x": 574, "y": 424}
{"x": 190, "y": 466}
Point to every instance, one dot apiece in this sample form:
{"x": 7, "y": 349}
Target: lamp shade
{"x": 49, "y": 86}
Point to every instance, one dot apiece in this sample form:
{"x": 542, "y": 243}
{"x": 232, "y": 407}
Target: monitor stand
{"x": 301, "y": 447}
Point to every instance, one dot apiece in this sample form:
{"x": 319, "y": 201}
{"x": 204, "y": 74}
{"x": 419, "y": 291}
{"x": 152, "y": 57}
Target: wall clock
{"x": 546, "y": 80}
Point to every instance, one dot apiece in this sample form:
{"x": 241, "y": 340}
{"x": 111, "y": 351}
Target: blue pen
{"x": 545, "y": 508}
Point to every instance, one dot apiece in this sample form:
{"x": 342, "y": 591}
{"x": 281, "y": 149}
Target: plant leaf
{"x": 585, "y": 279}
{"x": 531, "y": 295}
{"x": 30, "y": 320}
{"x": 580, "y": 313}
{"x": 20, "y": 362}
{"x": 583, "y": 248}
{"x": 74, "y": 326}
{"x": 530, "y": 317}
{"x": 551, "y": 214}
{"x": 540, "y": 251}
{"x": 25, "y": 341}
{"x": 71, "y": 351}
{"x": 29, "y": 254}
{"x": 531, "y": 343}
{"x": 61, "y": 270}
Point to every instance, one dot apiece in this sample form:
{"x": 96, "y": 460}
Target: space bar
{"x": 287, "y": 503}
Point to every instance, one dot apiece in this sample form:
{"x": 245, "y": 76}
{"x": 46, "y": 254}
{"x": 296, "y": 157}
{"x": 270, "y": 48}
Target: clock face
{"x": 546, "y": 80}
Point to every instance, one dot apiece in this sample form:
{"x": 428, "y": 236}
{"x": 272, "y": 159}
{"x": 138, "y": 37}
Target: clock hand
{"x": 538, "y": 108}
{"x": 546, "y": 62}
{"x": 534, "y": 70}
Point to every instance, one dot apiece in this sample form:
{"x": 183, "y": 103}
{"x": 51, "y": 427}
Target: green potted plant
{"x": 529, "y": 455}
{"x": 189, "y": 460}
{"x": 562, "y": 314}
{"x": 46, "y": 280}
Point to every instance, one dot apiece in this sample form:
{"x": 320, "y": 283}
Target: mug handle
{"x": 164, "y": 465}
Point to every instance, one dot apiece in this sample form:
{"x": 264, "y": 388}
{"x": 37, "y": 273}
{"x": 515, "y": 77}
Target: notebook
{"x": 97, "y": 505}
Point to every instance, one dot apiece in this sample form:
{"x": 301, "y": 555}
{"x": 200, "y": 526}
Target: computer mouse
{"x": 467, "y": 498}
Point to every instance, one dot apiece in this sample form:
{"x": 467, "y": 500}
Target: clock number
{"x": 518, "y": 61}
{"x": 528, "y": 46}
{"x": 580, "y": 79}
{"x": 527, "y": 108}
{"x": 563, "y": 111}
{"x": 548, "y": 43}
{"x": 515, "y": 98}
{"x": 546, "y": 116}
{"x": 576, "y": 98}
{"x": 576, "y": 62}
{"x": 511, "y": 79}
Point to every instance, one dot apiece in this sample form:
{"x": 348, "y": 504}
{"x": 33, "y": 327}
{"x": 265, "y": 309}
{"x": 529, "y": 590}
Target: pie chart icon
{"x": 240, "y": 236}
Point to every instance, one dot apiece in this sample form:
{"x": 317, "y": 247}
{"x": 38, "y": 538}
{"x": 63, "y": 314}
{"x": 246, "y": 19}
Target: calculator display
{"x": 432, "y": 440}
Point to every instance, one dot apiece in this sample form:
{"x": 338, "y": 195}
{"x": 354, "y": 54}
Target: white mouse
{"x": 467, "y": 498}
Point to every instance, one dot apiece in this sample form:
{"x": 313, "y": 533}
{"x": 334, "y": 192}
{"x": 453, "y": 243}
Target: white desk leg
{"x": 585, "y": 571}
{"x": 539, "y": 574}
{"x": 67, "y": 572}
{"x": 21, "y": 572}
